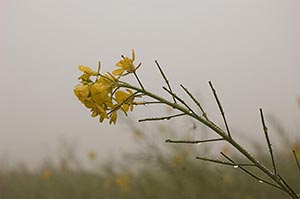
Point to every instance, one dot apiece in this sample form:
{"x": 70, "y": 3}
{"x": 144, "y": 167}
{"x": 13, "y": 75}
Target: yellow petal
{"x": 94, "y": 114}
{"x": 84, "y": 77}
{"x": 87, "y": 70}
{"x": 125, "y": 108}
{"x": 113, "y": 118}
{"x": 82, "y": 92}
{"x": 118, "y": 72}
{"x": 121, "y": 96}
{"x": 88, "y": 103}
{"x": 133, "y": 55}
{"x": 120, "y": 63}
{"x": 131, "y": 107}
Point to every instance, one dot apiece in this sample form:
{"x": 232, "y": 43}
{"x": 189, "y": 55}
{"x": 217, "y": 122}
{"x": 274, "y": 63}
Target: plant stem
{"x": 268, "y": 140}
{"x": 220, "y": 132}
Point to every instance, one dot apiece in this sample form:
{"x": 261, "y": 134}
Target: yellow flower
{"x": 125, "y": 99}
{"x": 100, "y": 110}
{"x": 126, "y": 64}
{"x": 87, "y": 70}
{"x": 82, "y": 92}
{"x": 108, "y": 80}
{"x": 87, "y": 73}
{"x": 101, "y": 94}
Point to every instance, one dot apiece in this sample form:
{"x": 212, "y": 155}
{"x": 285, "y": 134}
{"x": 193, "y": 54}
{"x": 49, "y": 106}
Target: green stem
{"x": 220, "y": 132}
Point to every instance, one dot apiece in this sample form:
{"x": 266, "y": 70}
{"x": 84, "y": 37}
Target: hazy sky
{"x": 248, "y": 48}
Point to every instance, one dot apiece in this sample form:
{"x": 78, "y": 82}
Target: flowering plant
{"x": 107, "y": 95}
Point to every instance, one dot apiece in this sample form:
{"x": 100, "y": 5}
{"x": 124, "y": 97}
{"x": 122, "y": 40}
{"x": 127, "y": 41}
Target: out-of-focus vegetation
{"x": 157, "y": 170}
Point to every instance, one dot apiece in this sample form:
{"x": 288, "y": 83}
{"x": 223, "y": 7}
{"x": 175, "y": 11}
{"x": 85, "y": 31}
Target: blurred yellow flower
{"x": 92, "y": 155}
{"x": 177, "y": 160}
{"x": 126, "y": 64}
{"x": 123, "y": 182}
{"x": 46, "y": 173}
{"x": 295, "y": 147}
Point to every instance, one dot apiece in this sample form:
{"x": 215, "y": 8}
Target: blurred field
{"x": 155, "y": 171}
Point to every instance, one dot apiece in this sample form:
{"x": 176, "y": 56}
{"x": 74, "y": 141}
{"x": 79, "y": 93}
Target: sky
{"x": 249, "y": 49}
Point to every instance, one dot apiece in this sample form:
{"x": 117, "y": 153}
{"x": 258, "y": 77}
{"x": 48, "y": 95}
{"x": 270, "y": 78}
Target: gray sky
{"x": 248, "y": 48}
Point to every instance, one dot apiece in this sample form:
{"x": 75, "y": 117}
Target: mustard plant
{"x": 107, "y": 94}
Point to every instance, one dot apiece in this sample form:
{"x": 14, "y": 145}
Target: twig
{"x": 251, "y": 174}
{"x": 268, "y": 140}
{"x": 138, "y": 79}
{"x": 296, "y": 159}
{"x": 179, "y": 99}
{"x": 194, "y": 141}
{"x": 287, "y": 185}
{"x": 161, "y": 118}
{"x": 154, "y": 102}
{"x": 221, "y": 109}
{"x": 225, "y": 163}
{"x": 165, "y": 78}
{"x": 196, "y": 101}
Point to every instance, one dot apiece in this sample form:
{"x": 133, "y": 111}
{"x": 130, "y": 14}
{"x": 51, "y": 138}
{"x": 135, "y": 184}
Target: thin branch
{"x": 138, "y": 79}
{"x": 296, "y": 159}
{"x": 161, "y": 118}
{"x": 154, "y": 102}
{"x": 287, "y": 185}
{"x": 194, "y": 141}
{"x": 165, "y": 78}
{"x": 179, "y": 99}
{"x": 196, "y": 101}
{"x": 221, "y": 109}
{"x": 228, "y": 158}
{"x": 268, "y": 140}
{"x": 251, "y": 174}
{"x": 225, "y": 163}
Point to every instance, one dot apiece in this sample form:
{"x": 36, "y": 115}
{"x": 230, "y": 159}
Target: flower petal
{"x": 117, "y": 72}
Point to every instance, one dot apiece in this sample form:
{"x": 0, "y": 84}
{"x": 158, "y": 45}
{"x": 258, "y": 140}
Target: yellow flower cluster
{"x": 103, "y": 96}
{"x": 126, "y": 65}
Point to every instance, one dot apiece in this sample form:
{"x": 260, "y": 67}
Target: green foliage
{"x": 157, "y": 171}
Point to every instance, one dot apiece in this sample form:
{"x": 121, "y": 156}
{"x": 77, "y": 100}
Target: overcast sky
{"x": 248, "y": 48}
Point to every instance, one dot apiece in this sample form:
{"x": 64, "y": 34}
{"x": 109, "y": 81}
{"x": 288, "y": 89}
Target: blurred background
{"x": 249, "y": 49}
